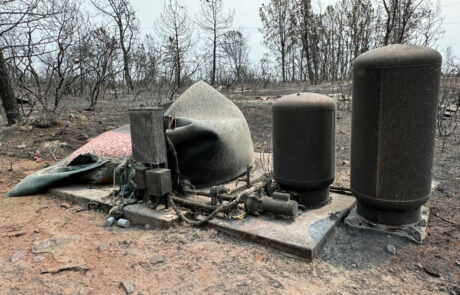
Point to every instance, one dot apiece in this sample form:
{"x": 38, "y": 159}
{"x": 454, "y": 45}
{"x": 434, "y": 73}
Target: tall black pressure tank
{"x": 304, "y": 145}
{"x": 395, "y": 93}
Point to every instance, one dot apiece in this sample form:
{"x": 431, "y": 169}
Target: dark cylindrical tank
{"x": 395, "y": 93}
{"x": 304, "y": 145}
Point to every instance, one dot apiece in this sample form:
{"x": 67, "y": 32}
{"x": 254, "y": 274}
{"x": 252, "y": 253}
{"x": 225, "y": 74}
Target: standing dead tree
{"x": 321, "y": 44}
{"x": 449, "y": 99}
{"x": 98, "y": 61}
{"x": 10, "y": 104}
{"x": 174, "y": 28}
{"x": 48, "y": 69}
{"x": 123, "y": 15}
{"x": 404, "y": 20}
{"x": 213, "y": 21}
{"x": 304, "y": 12}
{"x": 14, "y": 16}
{"x": 235, "y": 47}
{"x": 277, "y": 28}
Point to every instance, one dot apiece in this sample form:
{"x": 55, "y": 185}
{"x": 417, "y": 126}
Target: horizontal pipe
{"x": 222, "y": 208}
{"x": 193, "y": 204}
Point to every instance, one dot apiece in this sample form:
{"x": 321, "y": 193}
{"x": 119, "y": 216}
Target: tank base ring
{"x": 316, "y": 198}
{"x": 389, "y": 217}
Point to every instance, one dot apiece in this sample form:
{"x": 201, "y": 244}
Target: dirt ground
{"x": 48, "y": 246}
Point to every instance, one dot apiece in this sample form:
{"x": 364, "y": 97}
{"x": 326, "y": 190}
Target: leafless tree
{"x": 48, "y": 69}
{"x": 174, "y": 29}
{"x": 235, "y": 46}
{"x": 303, "y": 11}
{"x": 405, "y": 20}
{"x": 123, "y": 15}
{"x": 321, "y": 44}
{"x": 154, "y": 59}
{"x": 214, "y": 21}
{"x": 98, "y": 61}
{"x": 16, "y": 15}
{"x": 449, "y": 98}
{"x": 430, "y": 28}
{"x": 277, "y": 28}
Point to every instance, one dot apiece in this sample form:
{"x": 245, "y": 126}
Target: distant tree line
{"x": 52, "y": 50}
{"x": 320, "y": 45}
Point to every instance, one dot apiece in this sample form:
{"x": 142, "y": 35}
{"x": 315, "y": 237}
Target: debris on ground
{"x": 129, "y": 288}
{"x": 17, "y": 255}
{"x": 123, "y": 223}
{"x": 431, "y": 270}
{"x": 16, "y": 234}
{"x": 391, "y": 249}
{"x": 76, "y": 268}
{"x": 66, "y": 205}
{"x": 156, "y": 259}
{"x": 37, "y": 259}
{"x": 45, "y": 122}
{"x": 49, "y": 245}
{"x": 109, "y": 221}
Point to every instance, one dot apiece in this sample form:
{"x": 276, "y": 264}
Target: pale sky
{"x": 247, "y": 19}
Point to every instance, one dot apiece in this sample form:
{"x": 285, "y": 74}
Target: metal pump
{"x": 279, "y": 204}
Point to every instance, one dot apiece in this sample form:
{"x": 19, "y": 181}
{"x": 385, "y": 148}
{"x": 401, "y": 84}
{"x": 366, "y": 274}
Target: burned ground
{"x": 51, "y": 247}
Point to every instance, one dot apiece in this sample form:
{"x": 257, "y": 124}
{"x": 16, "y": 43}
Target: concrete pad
{"x": 83, "y": 193}
{"x": 416, "y": 232}
{"x": 142, "y": 215}
{"x": 301, "y": 237}
{"x": 100, "y": 194}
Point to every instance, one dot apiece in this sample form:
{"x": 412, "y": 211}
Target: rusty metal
{"x": 304, "y": 146}
{"x": 395, "y": 93}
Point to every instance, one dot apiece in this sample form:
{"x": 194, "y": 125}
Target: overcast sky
{"x": 247, "y": 19}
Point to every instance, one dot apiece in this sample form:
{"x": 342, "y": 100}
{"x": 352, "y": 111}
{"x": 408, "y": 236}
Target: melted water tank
{"x": 395, "y": 94}
{"x": 304, "y": 146}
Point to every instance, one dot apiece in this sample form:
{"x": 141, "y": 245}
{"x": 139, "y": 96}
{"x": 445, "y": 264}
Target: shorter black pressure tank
{"x": 395, "y": 94}
{"x": 304, "y": 146}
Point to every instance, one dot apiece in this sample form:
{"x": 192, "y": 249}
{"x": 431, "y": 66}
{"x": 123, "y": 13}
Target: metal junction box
{"x": 158, "y": 181}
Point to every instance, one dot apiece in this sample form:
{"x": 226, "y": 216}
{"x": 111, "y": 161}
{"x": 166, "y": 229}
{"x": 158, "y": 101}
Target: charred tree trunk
{"x": 125, "y": 52}
{"x": 283, "y": 61}
{"x": 214, "y": 57}
{"x": 178, "y": 62}
{"x": 10, "y": 105}
{"x": 306, "y": 18}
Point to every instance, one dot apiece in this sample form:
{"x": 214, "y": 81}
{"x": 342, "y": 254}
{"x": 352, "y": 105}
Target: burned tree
{"x": 174, "y": 28}
{"x": 405, "y": 18}
{"x": 235, "y": 47}
{"x": 122, "y": 14}
{"x": 15, "y": 15}
{"x": 277, "y": 28}
{"x": 47, "y": 67}
{"x": 10, "y": 104}
{"x": 98, "y": 62}
{"x": 213, "y": 21}
{"x": 449, "y": 99}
